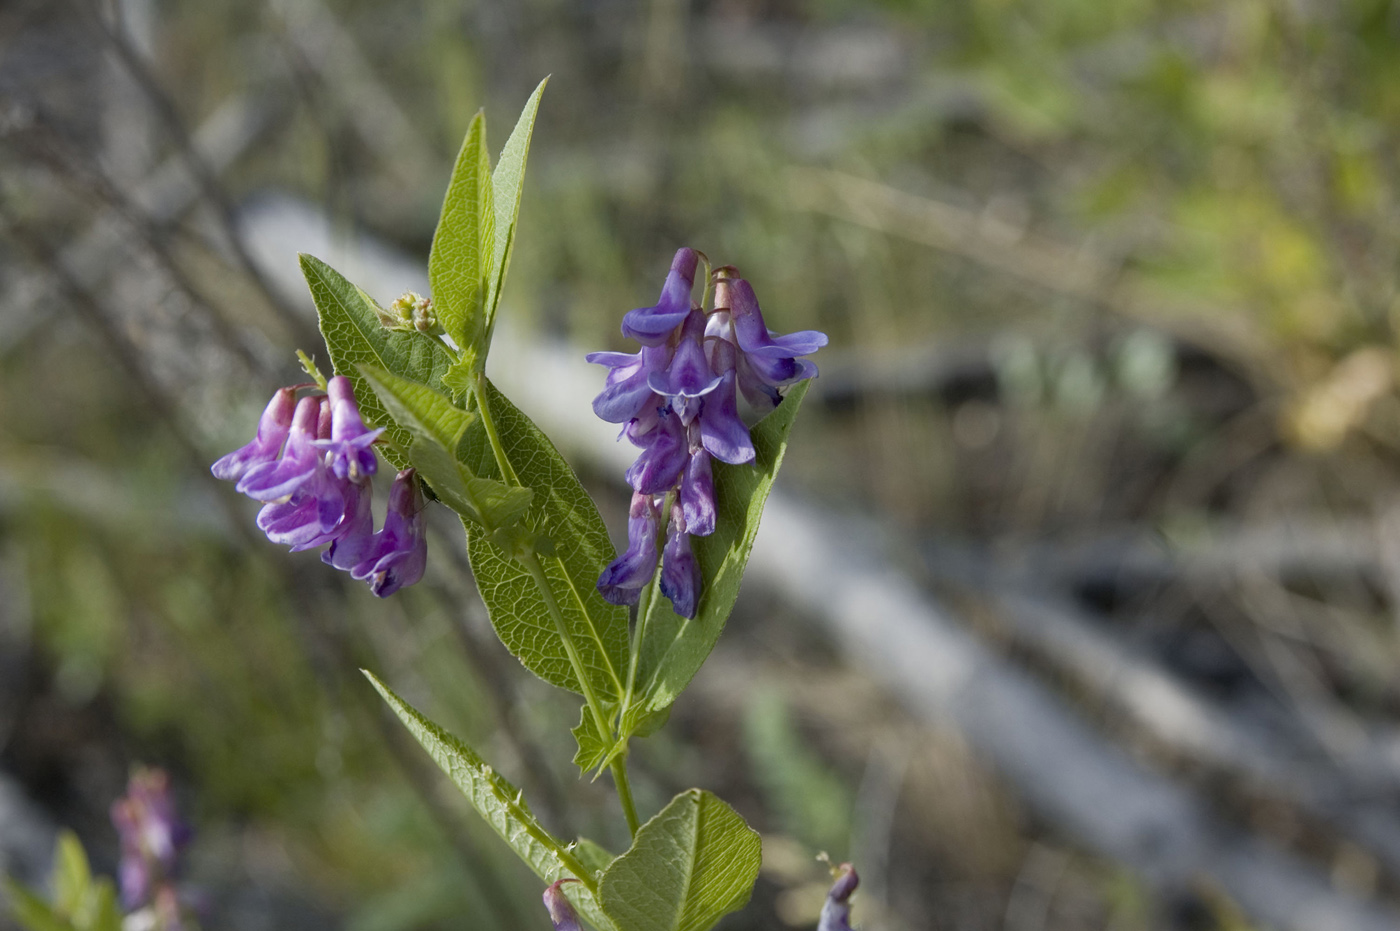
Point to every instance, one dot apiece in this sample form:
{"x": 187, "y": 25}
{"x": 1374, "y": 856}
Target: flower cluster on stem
{"x": 152, "y": 836}
{"x": 678, "y": 401}
{"x": 310, "y": 464}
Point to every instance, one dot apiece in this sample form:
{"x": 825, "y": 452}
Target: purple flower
{"x": 350, "y": 452}
{"x": 626, "y": 391}
{"x": 397, "y": 554}
{"x": 698, "y": 495}
{"x": 680, "y": 573}
{"x": 664, "y": 454}
{"x": 300, "y": 462}
{"x": 151, "y": 836}
{"x": 622, "y": 581}
{"x": 560, "y": 911}
{"x": 836, "y": 912}
{"x": 353, "y": 537}
{"x": 688, "y": 378}
{"x": 650, "y": 326}
{"x": 765, "y": 361}
{"x": 273, "y": 426}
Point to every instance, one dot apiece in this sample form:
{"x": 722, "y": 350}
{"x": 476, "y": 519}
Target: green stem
{"x": 624, "y": 793}
{"x": 483, "y": 410}
{"x": 531, "y": 562}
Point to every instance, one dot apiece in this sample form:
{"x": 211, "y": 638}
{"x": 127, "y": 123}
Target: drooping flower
{"x": 698, "y": 495}
{"x": 349, "y": 451}
{"x": 273, "y": 426}
{"x": 626, "y": 391}
{"x": 560, "y": 911}
{"x": 622, "y": 581}
{"x": 151, "y": 835}
{"x": 680, "y": 573}
{"x": 836, "y": 912}
{"x": 651, "y": 326}
{"x": 665, "y": 450}
{"x": 767, "y": 361}
{"x": 398, "y": 553}
{"x": 300, "y": 461}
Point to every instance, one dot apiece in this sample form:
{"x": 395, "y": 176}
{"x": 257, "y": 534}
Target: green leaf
{"x": 426, "y": 414}
{"x": 563, "y": 513}
{"x": 501, "y": 804}
{"x": 437, "y": 426}
{"x": 689, "y": 866}
{"x": 459, "y": 263}
{"x": 350, "y": 325}
{"x": 32, "y": 912}
{"x": 507, "y": 184}
{"x": 673, "y": 648}
{"x": 71, "y": 874}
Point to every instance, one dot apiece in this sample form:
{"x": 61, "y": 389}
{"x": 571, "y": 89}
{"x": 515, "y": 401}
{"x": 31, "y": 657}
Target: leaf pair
{"x": 693, "y": 863}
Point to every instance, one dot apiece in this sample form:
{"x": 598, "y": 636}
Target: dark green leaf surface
{"x": 562, "y": 512}
{"x": 496, "y": 800}
{"x": 459, "y": 264}
{"x": 689, "y": 866}
{"x": 673, "y": 648}
{"x": 355, "y": 337}
{"x": 507, "y": 184}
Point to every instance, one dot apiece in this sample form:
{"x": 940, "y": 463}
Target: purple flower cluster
{"x": 152, "y": 836}
{"x": 310, "y": 464}
{"x": 678, "y": 402}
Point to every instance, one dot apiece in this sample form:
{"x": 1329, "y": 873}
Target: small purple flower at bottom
{"x": 836, "y": 912}
{"x": 680, "y": 573}
{"x": 397, "y": 554}
{"x": 273, "y": 426}
{"x": 698, "y": 495}
{"x": 151, "y": 834}
{"x": 622, "y": 581}
{"x": 651, "y": 326}
{"x": 560, "y": 911}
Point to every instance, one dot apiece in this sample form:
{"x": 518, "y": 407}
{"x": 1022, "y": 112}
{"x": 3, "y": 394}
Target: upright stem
{"x": 483, "y": 410}
{"x": 531, "y": 562}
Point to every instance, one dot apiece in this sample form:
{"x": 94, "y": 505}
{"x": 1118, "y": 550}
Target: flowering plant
{"x": 410, "y": 384}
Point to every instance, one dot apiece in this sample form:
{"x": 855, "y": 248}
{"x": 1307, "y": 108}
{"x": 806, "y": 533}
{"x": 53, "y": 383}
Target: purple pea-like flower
{"x": 688, "y": 378}
{"x": 561, "y": 912}
{"x": 626, "y": 392}
{"x": 622, "y": 581}
{"x": 350, "y": 452}
{"x": 398, "y": 553}
{"x": 680, "y": 573}
{"x": 151, "y": 834}
{"x": 273, "y": 426}
{"x": 300, "y": 461}
{"x": 651, "y": 326}
{"x": 836, "y": 912}
{"x": 697, "y": 496}
{"x": 665, "y": 451}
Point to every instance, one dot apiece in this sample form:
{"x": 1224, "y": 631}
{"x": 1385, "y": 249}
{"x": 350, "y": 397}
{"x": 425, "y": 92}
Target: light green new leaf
{"x": 563, "y": 513}
{"x": 673, "y": 648}
{"x": 355, "y": 337}
{"x": 507, "y": 184}
{"x": 72, "y": 877}
{"x": 459, "y": 265}
{"x": 502, "y": 805}
{"x": 437, "y": 426}
{"x": 689, "y": 866}
{"x": 422, "y": 411}
{"x": 32, "y": 912}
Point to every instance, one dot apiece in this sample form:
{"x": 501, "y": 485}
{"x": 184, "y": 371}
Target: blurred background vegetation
{"x": 1112, "y": 294}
